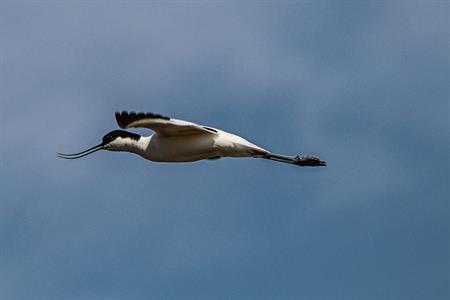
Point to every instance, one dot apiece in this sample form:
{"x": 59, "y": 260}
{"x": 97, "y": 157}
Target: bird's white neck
{"x": 127, "y": 144}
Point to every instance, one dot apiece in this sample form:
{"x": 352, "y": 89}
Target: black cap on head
{"x": 111, "y": 136}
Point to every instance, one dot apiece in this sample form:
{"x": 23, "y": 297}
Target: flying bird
{"x": 181, "y": 141}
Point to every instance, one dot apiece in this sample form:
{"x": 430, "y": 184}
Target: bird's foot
{"x": 309, "y": 161}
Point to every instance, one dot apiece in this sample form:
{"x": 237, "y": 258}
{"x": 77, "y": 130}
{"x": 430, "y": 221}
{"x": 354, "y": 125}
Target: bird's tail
{"x": 302, "y": 161}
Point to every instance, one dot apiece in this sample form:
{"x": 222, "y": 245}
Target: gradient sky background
{"x": 364, "y": 86}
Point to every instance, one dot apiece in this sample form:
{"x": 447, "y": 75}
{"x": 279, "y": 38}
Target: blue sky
{"x": 363, "y": 85}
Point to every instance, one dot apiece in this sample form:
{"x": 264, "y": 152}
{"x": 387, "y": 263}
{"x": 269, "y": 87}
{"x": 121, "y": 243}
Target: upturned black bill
{"x": 82, "y": 153}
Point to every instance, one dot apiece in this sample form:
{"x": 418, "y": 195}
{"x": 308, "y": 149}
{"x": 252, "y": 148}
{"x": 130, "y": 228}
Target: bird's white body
{"x": 188, "y": 148}
{"x": 181, "y": 141}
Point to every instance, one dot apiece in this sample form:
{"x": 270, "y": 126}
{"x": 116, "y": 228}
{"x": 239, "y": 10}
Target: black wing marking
{"x": 160, "y": 124}
{"x": 124, "y": 118}
{"x": 210, "y": 129}
{"x": 215, "y": 158}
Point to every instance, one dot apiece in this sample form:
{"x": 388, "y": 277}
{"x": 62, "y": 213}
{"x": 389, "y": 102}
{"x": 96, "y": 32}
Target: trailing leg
{"x": 302, "y": 161}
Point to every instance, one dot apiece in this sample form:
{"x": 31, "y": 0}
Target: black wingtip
{"x": 124, "y": 118}
{"x": 120, "y": 119}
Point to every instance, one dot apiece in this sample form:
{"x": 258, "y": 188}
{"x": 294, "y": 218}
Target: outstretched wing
{"x": 161, "y": 124}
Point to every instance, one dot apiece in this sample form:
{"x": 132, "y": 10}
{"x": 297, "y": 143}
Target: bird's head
{"x": 117, "y": 140}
